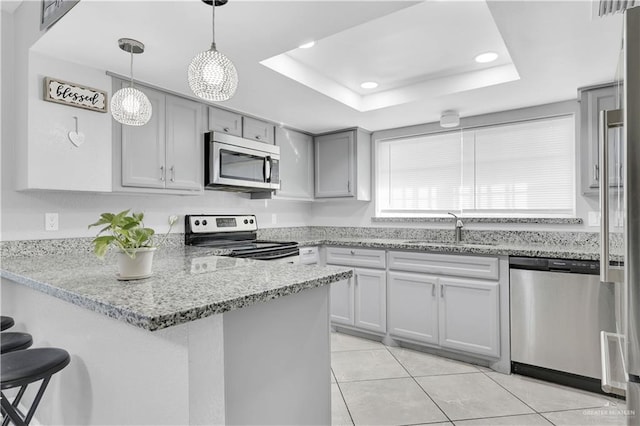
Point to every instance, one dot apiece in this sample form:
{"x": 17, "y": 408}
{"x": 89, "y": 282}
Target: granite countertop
{"x": 579, "y": 252}
{"x": 188, "y": 283}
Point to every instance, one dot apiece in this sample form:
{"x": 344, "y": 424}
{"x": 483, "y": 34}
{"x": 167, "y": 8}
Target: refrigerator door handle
{"x": 608, "y": 120}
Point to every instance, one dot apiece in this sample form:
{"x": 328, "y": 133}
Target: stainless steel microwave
{"x": 243, "y": 165}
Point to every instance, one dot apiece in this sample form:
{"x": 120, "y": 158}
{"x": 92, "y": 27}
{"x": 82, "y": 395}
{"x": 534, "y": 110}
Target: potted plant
{"x": 135, "y": 242}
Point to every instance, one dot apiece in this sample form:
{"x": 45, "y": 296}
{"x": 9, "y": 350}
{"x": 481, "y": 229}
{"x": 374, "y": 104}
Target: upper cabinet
{"x": 258, "y": 130}
{"x": 221, "y": 120}
{"x": 296, "y": 164}
{"x": 166, "y": 153}
{"x": 592, "y": 101}
{"x": 343, "y": 165}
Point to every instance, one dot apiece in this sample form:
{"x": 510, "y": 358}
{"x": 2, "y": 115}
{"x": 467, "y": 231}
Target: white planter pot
{"x": 137, "y": 267}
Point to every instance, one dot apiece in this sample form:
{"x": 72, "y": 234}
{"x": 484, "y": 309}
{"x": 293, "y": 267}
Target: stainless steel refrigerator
{"x": 620, "y": 222}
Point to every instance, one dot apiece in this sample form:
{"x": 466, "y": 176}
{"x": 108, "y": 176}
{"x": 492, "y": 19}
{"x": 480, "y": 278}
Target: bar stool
{"x": 21, "y": 368}
{"x": 6, "y": 322}
{"x": 12, "y": 341}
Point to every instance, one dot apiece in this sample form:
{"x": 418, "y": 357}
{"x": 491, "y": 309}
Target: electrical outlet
{"x": 594, "y": 219}
{"x": 274, "y": 218}
{"x": 51, "y": 221}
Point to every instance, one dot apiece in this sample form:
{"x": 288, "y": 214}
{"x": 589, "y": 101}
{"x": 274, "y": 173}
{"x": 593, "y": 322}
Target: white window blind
{"x": 524, "y": 168}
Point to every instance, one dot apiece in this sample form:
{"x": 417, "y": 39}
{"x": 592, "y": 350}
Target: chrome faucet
{"x": 458, "y": 229}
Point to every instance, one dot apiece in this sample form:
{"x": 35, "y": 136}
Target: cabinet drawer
{"x": 258, "y": 130}
{"x": 445, "y": 264}
{"x": 356, "y": 257}
{"x": 309, "y": 255}
{"x": 224, "y": 121}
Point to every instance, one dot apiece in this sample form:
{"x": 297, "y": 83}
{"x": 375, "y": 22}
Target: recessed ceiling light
{"x": 369, "y": 85}
{"x": 483, "y": 58}
{"x": 307, "y": 45}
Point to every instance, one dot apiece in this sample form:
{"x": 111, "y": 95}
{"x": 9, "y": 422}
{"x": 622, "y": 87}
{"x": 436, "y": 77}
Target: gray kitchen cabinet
{"x": 457, "y": 309}
{"x": 166, "y": 153}
{"x": 221, "y": 120}
{"x": 593, "y": 100}
{"x": 258, "y": 130}
{"x": 296, "y": 164}
{"x": 359, "y": 301}
{"x": 343, "y": 165}
{"x": 413, "y": 307}
{"x": 469, "y": 316}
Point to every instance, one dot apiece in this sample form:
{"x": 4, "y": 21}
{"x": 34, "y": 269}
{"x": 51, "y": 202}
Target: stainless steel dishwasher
{"x": 558, "y": 308}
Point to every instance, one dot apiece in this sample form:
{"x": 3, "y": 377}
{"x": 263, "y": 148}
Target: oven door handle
{"x": 266, "y": 172}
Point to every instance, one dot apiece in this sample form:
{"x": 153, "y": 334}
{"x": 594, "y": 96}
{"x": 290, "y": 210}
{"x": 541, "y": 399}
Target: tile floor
{"x": 373, "y": 384}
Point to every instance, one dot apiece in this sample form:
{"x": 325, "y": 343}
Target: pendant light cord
{"x": 131, "y": 66}
{"x": 213, "y": 25}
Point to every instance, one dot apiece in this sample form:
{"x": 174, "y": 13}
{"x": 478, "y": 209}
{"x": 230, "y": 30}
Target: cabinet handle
{"x": 442, "y": 292}
{"x": 433, "y": 290}
{"x": 226, "y": 129}
{"x": 596, "y": 170}
{"x": 162, "y": 173}
{"x": 348, "y": 186}
{"x": 173, "y": 174}
{"x": 258, "y": 137}
{"x": 352, "y": 252}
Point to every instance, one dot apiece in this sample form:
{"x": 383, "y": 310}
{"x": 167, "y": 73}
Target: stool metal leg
{"x": 11, "y": 412}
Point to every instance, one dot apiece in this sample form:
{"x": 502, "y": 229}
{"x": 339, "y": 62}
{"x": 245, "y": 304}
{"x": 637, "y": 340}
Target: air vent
{"x": 610, "y": 7}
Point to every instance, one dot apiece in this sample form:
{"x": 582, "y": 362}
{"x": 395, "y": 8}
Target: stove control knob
{"x": 251, "y": 221}
{"x": 246, "y": 221}
{"x": 196, "y": 223}
{"x": 204, "y": 223}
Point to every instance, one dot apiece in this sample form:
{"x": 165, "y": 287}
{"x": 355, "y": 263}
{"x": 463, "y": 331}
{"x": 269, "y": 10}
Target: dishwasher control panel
{"x": 591, "y": 267}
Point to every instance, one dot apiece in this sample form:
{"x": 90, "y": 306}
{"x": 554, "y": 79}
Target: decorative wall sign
{"x": 63, "y": 92}
{"x": 52, "y": 10}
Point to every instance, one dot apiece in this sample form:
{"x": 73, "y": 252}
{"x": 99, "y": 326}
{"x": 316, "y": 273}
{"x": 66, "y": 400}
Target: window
{"x": 518, "y": 169}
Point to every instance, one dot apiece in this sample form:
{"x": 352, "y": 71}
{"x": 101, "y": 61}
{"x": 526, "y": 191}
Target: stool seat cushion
{"x": 13, "y": 341}
{"x": 22, "y": 367}
{"x": 6, "y": 322}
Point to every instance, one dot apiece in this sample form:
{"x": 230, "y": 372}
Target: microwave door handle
{"x": 267, "y": 169}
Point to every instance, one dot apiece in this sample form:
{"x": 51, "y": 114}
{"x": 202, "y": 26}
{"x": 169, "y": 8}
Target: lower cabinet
{"x": 360, "y": 301}
{"x": 460, "y": 314}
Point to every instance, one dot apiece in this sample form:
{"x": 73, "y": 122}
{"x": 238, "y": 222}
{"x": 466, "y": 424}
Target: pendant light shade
{"x": 129, "y": 105}
{"x": 212, "y": 76}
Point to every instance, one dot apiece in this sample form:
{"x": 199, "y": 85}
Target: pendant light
{"x": 129, "y": 105}
{"x": 212, "y": 76}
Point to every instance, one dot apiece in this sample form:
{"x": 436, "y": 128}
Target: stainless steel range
{"x": 237, "y": 234}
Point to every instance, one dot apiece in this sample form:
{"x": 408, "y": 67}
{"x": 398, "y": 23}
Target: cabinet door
{"x": 469, "y": 316}
{"x": 342, "y": 302}
{"x": 221, "y": 120}
{"x": 371, "y": 300}
{"x": 296, "y": 164}
{"x": 185, "y": 144}
{"x": 413, "y": 306}
{"x": 258, "y": 130}
{"x": 334, "y": 171}
{"x": 143, "y": 147}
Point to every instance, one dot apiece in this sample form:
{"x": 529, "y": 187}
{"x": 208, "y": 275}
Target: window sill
{"x": 529, "y": 220}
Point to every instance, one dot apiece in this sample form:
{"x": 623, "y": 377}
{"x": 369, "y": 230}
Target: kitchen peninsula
{"x": 207, "y": 339}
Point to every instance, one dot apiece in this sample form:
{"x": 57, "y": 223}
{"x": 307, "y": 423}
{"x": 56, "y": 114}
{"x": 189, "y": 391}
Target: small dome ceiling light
{"x": 449, "y": 118}
{"x": 307, "y": 45}
{"x": 486, "y": 57}
{"x": 212, "y": 76}
{"x": 129, "y": 105}
{"x": 369, "y": 85}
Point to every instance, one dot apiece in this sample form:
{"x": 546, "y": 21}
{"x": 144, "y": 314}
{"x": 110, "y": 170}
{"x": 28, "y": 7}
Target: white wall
{"x": 29, "y": 122}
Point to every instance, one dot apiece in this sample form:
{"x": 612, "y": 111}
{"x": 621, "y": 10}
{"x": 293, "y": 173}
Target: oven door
{"x": 244, "y": 167}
